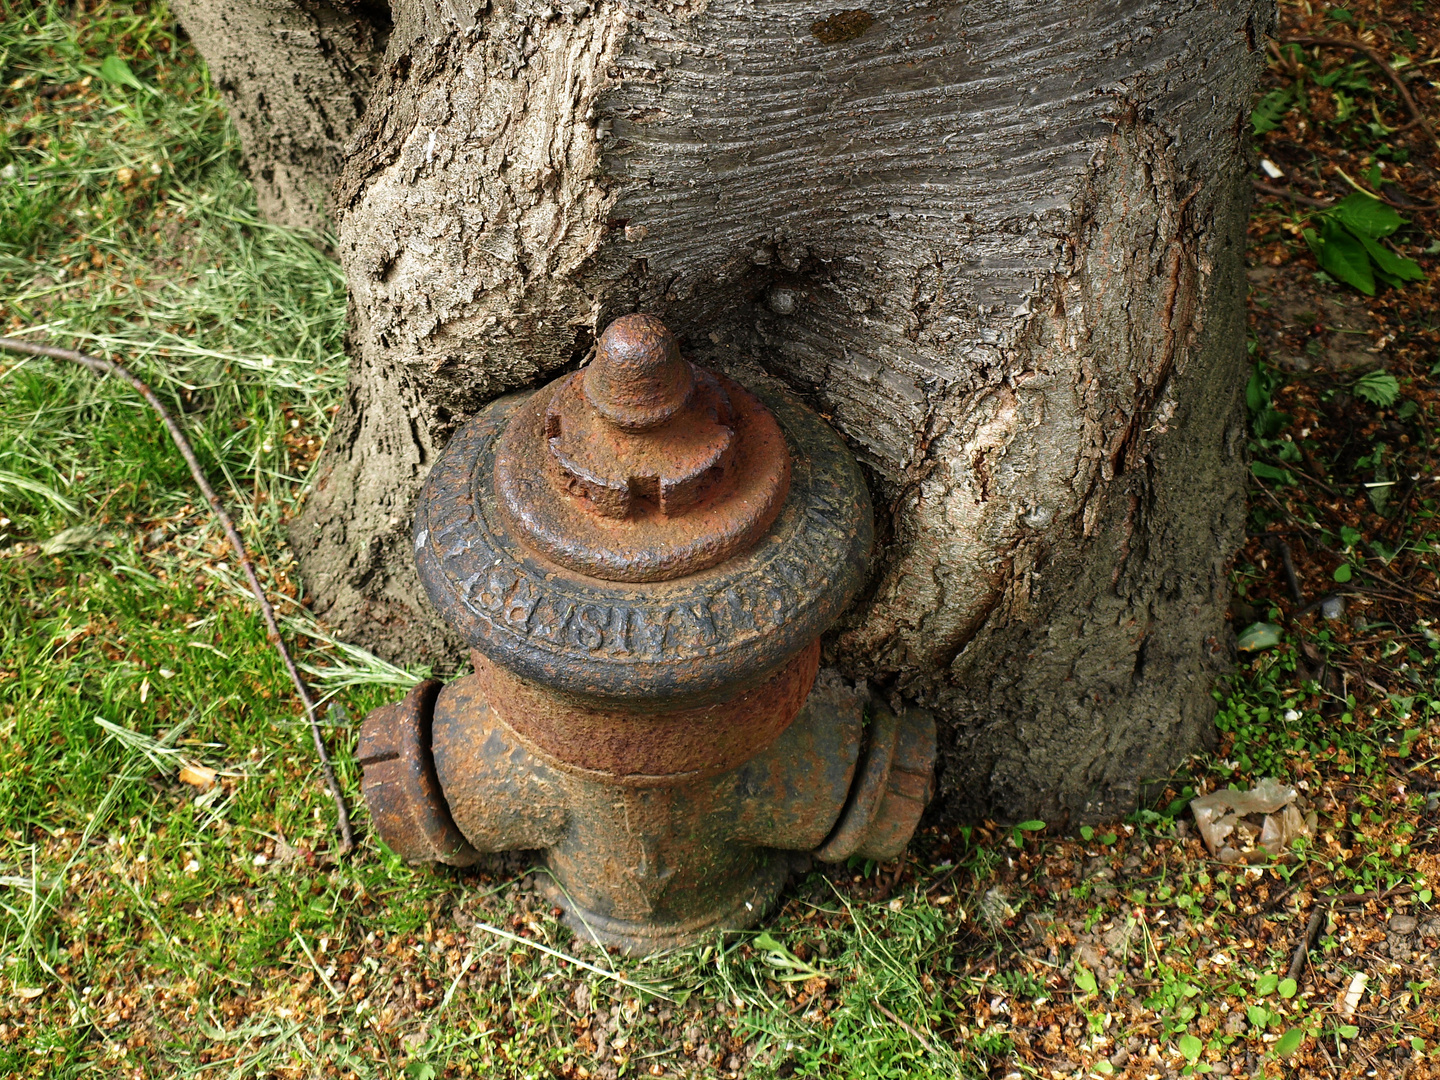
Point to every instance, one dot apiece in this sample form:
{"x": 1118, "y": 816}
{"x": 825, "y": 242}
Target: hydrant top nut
{"x": 641, "y": 467}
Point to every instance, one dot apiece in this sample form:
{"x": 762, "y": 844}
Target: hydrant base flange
{"x": 643, "y": 937}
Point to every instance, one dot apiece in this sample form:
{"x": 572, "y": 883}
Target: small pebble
{"x": 1333, "y": 607}
{"x": 1402, "y": 924}
{"x": 780, "y": 300}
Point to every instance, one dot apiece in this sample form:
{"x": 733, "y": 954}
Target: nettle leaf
{"x": 1368, "y": 215}
{"x": 1343, "y": 256}
{"x": 1259, "y": 389}
{"x": 1271, "y": 472}
{"x": 1377, "y": 387}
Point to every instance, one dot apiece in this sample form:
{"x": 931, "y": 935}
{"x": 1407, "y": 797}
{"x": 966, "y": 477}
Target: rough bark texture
{"x": 295, "y": 77}
{"x": 997, "y": 244}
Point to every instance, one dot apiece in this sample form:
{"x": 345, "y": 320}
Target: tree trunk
{"x": 294, "y": 75}
{"x": 997, "y": 245}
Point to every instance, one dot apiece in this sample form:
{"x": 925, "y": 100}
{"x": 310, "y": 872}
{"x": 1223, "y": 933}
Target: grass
{"x": 153, "y": 925}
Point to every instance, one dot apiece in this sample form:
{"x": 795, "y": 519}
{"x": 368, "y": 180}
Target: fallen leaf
{"x": 76, "y": 538}
{"x": 1353, "y": 995}
{"x": 198, "y": 776}
{"x": 1257, "y": 636}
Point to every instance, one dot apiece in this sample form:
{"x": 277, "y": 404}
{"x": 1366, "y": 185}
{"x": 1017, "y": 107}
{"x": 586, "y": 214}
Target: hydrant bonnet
{"x": 731, "y": 623}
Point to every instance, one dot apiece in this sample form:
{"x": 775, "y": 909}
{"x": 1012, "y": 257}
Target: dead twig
{"x": 1302, "y": 950}
{"x": 1293, "y": 196}
{"x": 177, "y": 434}
{"x": 917, "y": 1036}
{"x": 1418, "y": 118}
{"x": 1292, "y": 579}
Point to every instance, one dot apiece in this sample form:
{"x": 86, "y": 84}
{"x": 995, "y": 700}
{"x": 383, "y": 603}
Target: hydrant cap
{"x": 698, "y": 635}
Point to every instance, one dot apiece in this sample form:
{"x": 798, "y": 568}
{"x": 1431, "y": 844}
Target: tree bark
{"x": 295, "y": 75}
{"x": 998, "y": 245}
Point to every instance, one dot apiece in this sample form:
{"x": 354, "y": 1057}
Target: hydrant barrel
{"x": 643, "y": 556}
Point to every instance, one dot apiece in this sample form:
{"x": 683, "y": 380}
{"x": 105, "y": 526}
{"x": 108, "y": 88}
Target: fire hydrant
{"x": 643, "y": 556}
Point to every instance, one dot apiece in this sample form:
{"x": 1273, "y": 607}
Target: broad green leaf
{"x": 1348, "y": 1031}
{"x": 1191, "y": 1047}
{"x": 1289, "y": 1042}
{"x": 1377, "y": 387}
{"x": 1266, "y": 984}
{"x": 1271, "y": 472}
{"x": 1286, "y": 989}
{"x": 1345, "y": 257}
{"x": 1085, "y": 981}
{"x": 115, "y": 70}
{"x": 1342, "y": 573}
{"x": 1031, "y": 826}
{"x": 1258, "y": 1015}
{"x": 1260, "y": 388}
{"x": 1388, "y": 262}
{"x": 1257, "y": 636}
{"x": 1367, "y": 215}
{"x": 1087, "y": 833}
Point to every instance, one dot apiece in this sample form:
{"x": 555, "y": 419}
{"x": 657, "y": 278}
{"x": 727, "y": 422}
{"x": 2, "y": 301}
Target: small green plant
{"x": 1271, "y": 110}
{"x": 1268, "y": 421}
{"x": 1191, "y": 1047}
{"x": 1348, "y": 246}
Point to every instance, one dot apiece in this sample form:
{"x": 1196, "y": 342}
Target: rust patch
{"x": 624, "y": 744}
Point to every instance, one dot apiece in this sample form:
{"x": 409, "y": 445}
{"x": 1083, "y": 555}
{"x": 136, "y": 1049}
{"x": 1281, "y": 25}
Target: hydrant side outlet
{"x": 643, "y": 556}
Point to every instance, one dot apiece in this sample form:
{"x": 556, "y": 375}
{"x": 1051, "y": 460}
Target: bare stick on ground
{"x": 109, "y": 367}
{"x": 1302, "y": 950}
{"x": 1287, "y": 193}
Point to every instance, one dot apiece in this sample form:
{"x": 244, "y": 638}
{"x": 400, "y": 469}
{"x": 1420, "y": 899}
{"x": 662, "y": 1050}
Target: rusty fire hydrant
{"x": 643, "y": 556}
